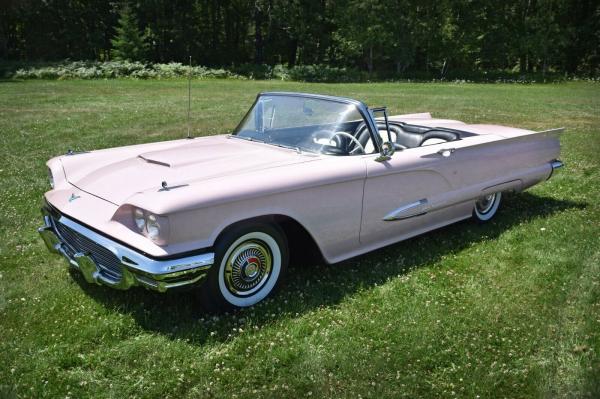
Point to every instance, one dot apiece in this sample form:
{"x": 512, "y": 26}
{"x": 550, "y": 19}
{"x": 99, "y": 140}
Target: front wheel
{"x": 486, "y": 207}
{"x": 250, "y": 262}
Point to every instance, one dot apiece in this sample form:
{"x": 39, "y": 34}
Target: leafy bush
{"x": 139, "y": 70}
{"x": 172, "y": 70}
{"x": 281, "y": 72}
{"x": 324, "y": 73}
{"x": 116, "y": 69}
{"x": 303, "y": 73}
{"x": 82, "y": 70}
{"x": 252, "y": 71}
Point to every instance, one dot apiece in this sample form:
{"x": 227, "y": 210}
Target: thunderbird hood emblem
{"x": 73, "y": 197}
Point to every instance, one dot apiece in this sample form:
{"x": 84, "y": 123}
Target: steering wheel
{"x": 358, "y": 146}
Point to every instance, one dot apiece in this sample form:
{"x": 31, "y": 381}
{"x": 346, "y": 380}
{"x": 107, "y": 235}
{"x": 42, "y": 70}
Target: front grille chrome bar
{"x": 107, "y": 262}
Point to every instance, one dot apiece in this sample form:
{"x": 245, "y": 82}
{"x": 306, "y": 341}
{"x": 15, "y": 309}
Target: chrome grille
{"x": 108, "y": 263}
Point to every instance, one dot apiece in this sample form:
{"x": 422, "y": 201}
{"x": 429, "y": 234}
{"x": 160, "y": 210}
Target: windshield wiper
{"x": 247, "y": 138}
{"x": 291, "y": 147}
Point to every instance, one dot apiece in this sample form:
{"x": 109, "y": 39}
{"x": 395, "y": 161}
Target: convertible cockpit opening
{"x": 330, "y": 126}
{"x": 405, "y": 135}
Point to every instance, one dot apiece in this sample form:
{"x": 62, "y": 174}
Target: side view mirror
{"x": 387, "y": 150}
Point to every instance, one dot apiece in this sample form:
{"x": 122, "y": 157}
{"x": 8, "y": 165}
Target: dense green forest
{"x": 380, "y": 36}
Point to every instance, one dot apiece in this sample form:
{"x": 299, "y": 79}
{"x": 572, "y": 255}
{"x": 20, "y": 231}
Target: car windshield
{"x": 306, "y": 124}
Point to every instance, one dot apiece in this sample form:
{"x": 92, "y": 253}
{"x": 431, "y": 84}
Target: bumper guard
{"x": 135, "y": 268}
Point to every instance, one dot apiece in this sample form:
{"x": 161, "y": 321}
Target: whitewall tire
{"x": 249, "y": 264}
{"x": 486, "y": 207}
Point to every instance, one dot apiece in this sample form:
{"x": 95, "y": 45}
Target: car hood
{"x": 117, "y": 174}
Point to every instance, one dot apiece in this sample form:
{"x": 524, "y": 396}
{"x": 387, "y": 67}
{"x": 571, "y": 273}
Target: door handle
{"x": 446, "y": 152}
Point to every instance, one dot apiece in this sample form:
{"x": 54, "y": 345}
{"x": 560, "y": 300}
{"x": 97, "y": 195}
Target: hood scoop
{"x": 191, "y": 155}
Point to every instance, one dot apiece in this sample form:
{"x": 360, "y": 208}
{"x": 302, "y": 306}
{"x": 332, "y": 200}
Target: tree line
{"x": 393, "y": 36}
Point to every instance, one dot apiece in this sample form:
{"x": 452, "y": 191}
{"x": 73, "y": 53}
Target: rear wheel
{"x": 250, "y": 261}
{"x": 486, "y": 207}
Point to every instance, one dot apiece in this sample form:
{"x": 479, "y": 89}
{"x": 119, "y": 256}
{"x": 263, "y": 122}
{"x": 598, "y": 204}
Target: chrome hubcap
{"x": 485, "y": 204}
{"x": 248, "y": 267}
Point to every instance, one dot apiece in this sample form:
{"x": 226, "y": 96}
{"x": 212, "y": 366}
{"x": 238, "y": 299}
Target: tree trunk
{"x": 544, "y": 68}
{"x": 524, "y": 39}
{"x": 443, "y": 70}
{"x": 370, "y": 64}
{"x": 293, "y": 52}
{"x": 258, "y": 37}
{"x": 215, "y": 27}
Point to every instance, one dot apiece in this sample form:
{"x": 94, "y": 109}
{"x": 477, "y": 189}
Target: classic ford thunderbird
{"x": 220, "y": 213}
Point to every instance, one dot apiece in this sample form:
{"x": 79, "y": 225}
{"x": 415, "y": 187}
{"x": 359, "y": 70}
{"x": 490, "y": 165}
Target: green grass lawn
{"x": 506, "y": 309}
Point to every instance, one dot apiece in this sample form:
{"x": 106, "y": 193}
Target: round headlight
{"x": 152, "y": 227}
{"x": 51, "y": 178}
{"x": 138, "y": 217}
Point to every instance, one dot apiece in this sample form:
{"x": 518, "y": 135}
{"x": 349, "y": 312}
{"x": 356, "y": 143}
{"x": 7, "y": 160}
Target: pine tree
{"x": 129, "y": 43}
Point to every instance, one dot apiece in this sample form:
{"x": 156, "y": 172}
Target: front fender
{"x": 330, "y": 214}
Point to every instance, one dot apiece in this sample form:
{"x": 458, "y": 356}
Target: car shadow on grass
{"x": 307, "y": 287}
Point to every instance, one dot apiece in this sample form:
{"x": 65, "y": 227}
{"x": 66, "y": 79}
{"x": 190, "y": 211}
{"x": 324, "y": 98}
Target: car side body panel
{"x": 422, "y": 181}
{"x": 341, "y": 201}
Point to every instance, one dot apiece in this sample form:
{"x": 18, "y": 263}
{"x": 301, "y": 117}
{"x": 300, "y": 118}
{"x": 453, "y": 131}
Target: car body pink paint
{"x": 341, "y": 201}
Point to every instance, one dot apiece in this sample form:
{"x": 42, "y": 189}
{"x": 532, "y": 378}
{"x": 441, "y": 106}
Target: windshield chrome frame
{"x": 362, "y": 108}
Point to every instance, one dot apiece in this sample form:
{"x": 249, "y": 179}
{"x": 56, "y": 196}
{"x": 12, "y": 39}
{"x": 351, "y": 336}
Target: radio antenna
{"x": 189, "y": 98}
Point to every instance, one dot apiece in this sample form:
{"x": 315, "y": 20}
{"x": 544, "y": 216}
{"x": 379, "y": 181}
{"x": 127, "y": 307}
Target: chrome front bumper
{"x": 106, "y": 262}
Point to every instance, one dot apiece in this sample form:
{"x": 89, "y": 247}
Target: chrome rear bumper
{"x": 107, "y": 262}
{"x": 556, "y": 164}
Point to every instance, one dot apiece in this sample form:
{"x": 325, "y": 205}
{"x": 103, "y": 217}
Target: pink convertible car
{"x": 220, "y": 212}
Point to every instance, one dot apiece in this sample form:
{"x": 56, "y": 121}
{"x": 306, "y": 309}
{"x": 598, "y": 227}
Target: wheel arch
{"x": 301, "y": 242}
